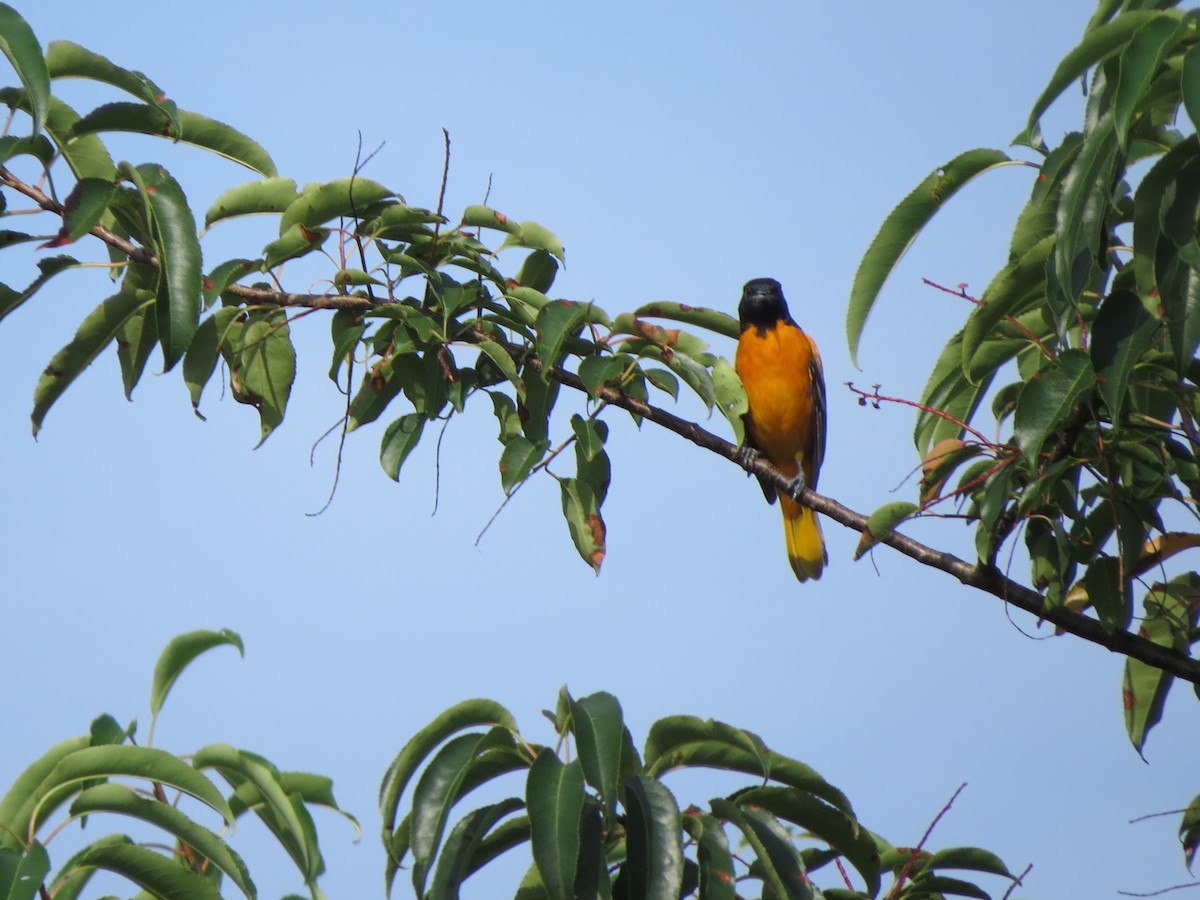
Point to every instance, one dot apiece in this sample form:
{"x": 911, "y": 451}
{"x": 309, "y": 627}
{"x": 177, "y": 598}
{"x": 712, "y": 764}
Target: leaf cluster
{"x": 600, "y": 822}
{"x": 106, "y": 774}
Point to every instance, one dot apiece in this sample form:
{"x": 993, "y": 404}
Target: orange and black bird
{"x": 785, "y": 388}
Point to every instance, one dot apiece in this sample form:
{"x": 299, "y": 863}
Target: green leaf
{"x": 468, "y": 714}
{"x": 676, "y": 742}
{"x": 296, "y": 241}
{"x": 712, "y": 854}
{"x": 519, "y": 457}
{"x": 22, "y": 874}
{"x": 178, "y": 251}
{"x": 1170, "y": 615}
{"x": 1121, "y": 333}
{"x": 270, "y": 195}
{"x": 972, "y": 859}
{"x": 1018, "y": 285}
{"x": 1138, "y": 64}
{"x": 556, "y": 322}
{"x": 479, "y": 216}
{"x": 779, "y": 862}
{"x": 111, "y": 760}
{"x": 654, "y": 854}
{"x": 730, "y": 397}
{"x": 318, "y": 203}
{"x": 883, "y": 522}
{"x": 822, "y": 821}
{"x": 184, "y": 126}
{"x": 503, "y": 360}
{"x": 17, "y": 806}
{"x": 21, "y": 46}
{"x": 262, "y": 366}
{"x": 1147, "y": 216}
{"x": 96, "y": 332}
{"x": 535, "y": 403}
{"x": 535, "y": 237}
{"x": 1189, "y": 831}
{"x": 1190, "y": 84}
{"x": 598, "y": 371}
{"x": 465, "y": 845}
{"x": 554, "y": 796}
{"x": 436, "y": 792}
{"x": 1046, "y": 402}
{"x": 1108, "y": 592}
{"x": 282, "y": 813}
{"x": 179, "y": 654}
{"x": 116, "y": 798}
{"x": 1082, "y": 214}
{"x": 159, "y": 875}
{"x": 581, "y": 509}
{"x": 1097, "y": 45}
{"x": 538, "y": 271}
{"x": 10, "y": 300}
{"x": 901, "y": 228}
{"x": 86, "y": 156}
{"x": 38, "y": 146}
{"x": 65, "y": 59}
{"x": 598, "y": 726}
{"x": 83, "y": 209}
{"x": 200, "y": 361}
{"x": 399, "y": 440}
{"x": 136, "y": 340}
{"x": 710, "y": 319}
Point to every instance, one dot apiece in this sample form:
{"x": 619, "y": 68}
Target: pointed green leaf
{"x": 1083, "y": 211}
{"x": 1098, "y": 44}
{"x": 581, "y": 509}
{"x": 535, "y": 404}
{"x": 437, "y": 791}
{"x": 159, "y": 875}
{"x": 111, "y": 760}
{"x": 200, "y": 361}
{"x": 678, "y": 741}
{"x": 179, "y": 654}
{"x": 284, "y": 815}
{"x": 556, "y": 322}
{"x": 518, "y": 459}
{"x": 1047, "y": 400}
{"x": 178, "y": 251}
{"x": 1121, "y": 333}
{"x": 83, "y": 209}
{"x": 1190, "y": 83}
{"x": 479, "y": 216}
{"x": 538, "y": 271}
{"x": 22, "y": 874}
{"x": 598, "y": 724}
{"x": 318, "y": 203}
{"x": 778, "y": 857}
{"x": 467, "y": 714}
{"x": 17, "y": 806}
{"x": 598, "y": 371}
{"x": 712, "y": 855}
{"x": 503, "y": 360}
{"x": 262, "y": 366}
{"x": 295, "y": 241}
{"x": 20, "y": 45}
{"x": 187, "y": 127}
{"x": 972, "y": 859}
{"x": 883, "y": 522}
{"x": 11, "y": 300}
{"x": 399, "y": 440}
{"x": 903, "y": 225}
{"x": 554, "y": 797}
{"x": 654, "y": 860}
{"x": 1138, "y": 64}
{"x": 117, "y": 798}
{"x": 464, "y": 846}
{"x": 65, "y": 59}
{"x": 731, "y": 398}
{"x": 270, "y": 195}
{"x": 711, "y": 319}
{"x": 86, "y": 156}
{"x": 136, "y": 340}
{"x": 96, "y": 332}
{"x": 535, "y": 237}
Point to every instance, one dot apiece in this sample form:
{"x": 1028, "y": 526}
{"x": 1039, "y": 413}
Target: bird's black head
{"x": 762, "y": 304}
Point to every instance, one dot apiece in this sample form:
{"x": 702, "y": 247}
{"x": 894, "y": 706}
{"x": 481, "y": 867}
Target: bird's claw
{"x": 796, "y": 487}
{"x": 746, "y": 455}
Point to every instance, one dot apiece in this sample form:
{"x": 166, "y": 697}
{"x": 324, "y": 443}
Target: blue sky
{"x": 678, "y": 150}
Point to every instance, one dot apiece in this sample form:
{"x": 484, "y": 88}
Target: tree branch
{"x": 982, "y": 577}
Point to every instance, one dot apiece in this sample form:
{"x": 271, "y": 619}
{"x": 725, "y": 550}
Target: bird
{"x": 780, "y": 369}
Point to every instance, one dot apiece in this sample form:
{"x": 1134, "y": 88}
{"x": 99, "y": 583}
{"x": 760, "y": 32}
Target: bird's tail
{"x": 805, "y": 545}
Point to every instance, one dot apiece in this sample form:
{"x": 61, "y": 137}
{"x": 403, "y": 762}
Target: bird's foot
{"x": 746, "y": 455}
{"x": 796, "y": 487}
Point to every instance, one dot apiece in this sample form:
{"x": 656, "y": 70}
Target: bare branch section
{"x": 979, "y": 576}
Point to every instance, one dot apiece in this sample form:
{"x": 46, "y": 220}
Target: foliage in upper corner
{"x": 601, "y": 823}
{"x": 422, "y": 314}
{"x": 1098, "y": 313}
{"x": 105, "y": 776}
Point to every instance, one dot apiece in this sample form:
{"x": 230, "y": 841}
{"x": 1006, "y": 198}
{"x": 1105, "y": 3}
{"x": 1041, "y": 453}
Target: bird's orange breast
{"x": 776, "y": 368}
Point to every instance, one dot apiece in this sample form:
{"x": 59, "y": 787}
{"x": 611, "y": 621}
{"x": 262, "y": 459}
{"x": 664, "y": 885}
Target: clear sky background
{"x": 678, "y": 150}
